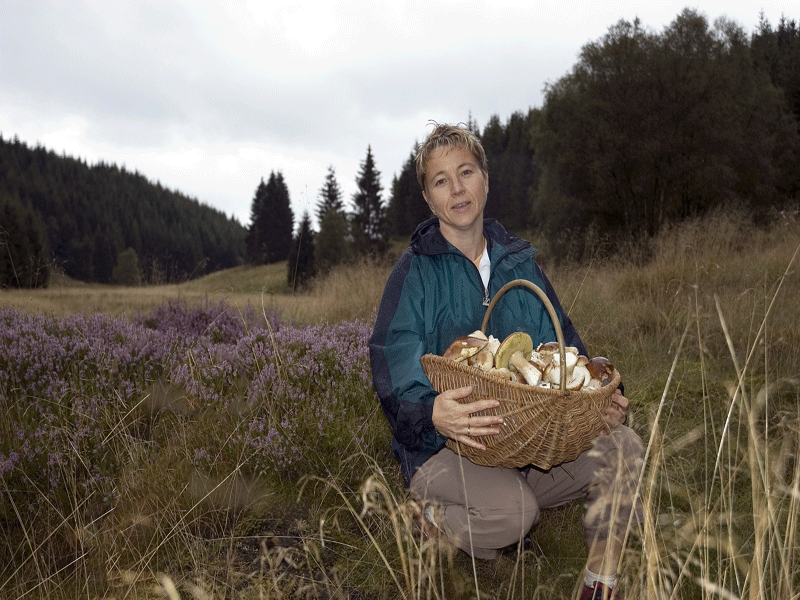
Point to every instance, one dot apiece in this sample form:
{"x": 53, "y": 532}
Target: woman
{"x": 439, "y": 291}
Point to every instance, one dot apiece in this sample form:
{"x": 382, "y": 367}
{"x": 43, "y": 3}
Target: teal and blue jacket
{"x": 434, "y": 295}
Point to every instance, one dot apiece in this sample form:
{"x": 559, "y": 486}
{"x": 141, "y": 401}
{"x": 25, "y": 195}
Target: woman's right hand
{"x": 457, "y": 421}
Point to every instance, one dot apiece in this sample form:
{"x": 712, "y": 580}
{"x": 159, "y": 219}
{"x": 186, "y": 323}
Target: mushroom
{"x": 601, "y": 371}
{"x": 464, "y": 347}
{"x": 480, "y": 335}
{"x": 580, "y": 374}
{"x": 551, "y": 354}
{"x": 538, "y": 361}
{"x": 484, "y": 359}
{"x": 547, "y": 350}
{"x": 514, "y": 353}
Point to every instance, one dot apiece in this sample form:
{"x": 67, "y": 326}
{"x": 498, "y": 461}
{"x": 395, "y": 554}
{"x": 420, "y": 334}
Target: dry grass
{"x": 349, "y": 292}
{"x": 703, "y": 324}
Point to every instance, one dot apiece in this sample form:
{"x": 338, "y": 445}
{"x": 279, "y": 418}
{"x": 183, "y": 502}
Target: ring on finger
{"x": 468, "y": 433}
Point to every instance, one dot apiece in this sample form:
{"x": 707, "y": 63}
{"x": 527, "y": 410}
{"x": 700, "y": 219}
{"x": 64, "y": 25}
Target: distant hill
{"x": 88, "y": 215}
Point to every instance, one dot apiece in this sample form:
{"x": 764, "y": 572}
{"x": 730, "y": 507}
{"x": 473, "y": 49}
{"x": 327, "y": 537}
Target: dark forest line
{"x": 82, "y": 219}
{"x": 649, "y": 128}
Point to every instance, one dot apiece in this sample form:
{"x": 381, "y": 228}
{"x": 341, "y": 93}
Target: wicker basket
{"x": 542, "y": 427}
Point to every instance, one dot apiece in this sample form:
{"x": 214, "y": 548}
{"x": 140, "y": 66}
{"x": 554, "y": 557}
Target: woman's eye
{"x": 439, "y": 182}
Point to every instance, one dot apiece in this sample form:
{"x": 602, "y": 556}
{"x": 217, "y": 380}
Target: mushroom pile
{"x": 516, "y": 360}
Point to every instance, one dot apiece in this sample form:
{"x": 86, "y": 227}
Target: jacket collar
{"x": 428, "y": 238}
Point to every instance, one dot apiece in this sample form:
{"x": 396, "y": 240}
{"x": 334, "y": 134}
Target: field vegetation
{"x": 221, "y": 439}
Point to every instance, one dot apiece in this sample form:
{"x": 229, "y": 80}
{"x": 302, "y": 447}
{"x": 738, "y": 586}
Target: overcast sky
{"x": 209, "y": 97}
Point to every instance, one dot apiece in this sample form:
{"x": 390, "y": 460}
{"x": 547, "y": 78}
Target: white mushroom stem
{"x": 593, "y": 384}
{"x": 549, "y": 354}
{"x": 580, "y": 377}
{"x": 554, "y": 375}
{"x": 530, "y": 374}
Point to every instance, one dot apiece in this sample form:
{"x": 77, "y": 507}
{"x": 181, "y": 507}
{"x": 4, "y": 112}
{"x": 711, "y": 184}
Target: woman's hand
{"x": 457, "y": 421}
{"x": 617, "y": 413}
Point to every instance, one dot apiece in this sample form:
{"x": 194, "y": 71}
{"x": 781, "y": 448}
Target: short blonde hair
{"x": 449, "y": 136}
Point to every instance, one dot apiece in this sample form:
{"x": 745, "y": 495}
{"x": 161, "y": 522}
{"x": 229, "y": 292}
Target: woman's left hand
{"x": 616, "y": 414}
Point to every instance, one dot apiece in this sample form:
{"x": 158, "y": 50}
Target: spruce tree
{"x": 254, "y": 241}
{"x": 330, "y": 196}
{"x": 407, "y": 208}
{"x": 269, "y": 238}
{"x": 332, "y": 245}
{"x": 369, "y": 218}
{"x": 300, "y": 263}
{"x": 23, "y": 259}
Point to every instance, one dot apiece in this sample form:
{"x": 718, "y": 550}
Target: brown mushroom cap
{"x": 538, "y": 361}
{"x": 464, "y": 347}
{"x": 516, "y": 342}
{"x": 484, "y": 359}
{"x": 600, "y": 368}
{"x": 548, "y": 348}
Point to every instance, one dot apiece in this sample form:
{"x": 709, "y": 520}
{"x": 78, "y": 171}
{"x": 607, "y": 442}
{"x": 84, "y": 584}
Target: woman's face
{"x": 455, "y": 189}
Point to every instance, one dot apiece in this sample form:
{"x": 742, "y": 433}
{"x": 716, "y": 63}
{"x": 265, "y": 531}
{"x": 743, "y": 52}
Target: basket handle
{"x": 550, "y": 310}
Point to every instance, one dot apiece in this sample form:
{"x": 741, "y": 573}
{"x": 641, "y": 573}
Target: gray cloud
{"x": 208, "y": 97}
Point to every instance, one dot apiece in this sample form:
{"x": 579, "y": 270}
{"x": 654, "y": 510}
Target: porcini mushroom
{"x": 580, "y": 374}
{"x": 514, "y": 353}
{"x": 484, "y": 359}
{"x": 601, "y": 372}
{"x": 551, "y": 354}
{"x": 464, "y": 347}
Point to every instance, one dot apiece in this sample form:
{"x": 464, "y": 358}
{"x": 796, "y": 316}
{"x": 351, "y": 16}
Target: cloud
{"x": 208, "y": 97}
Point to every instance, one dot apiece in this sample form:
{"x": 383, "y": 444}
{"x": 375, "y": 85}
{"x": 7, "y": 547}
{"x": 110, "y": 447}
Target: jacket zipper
{"x": 486, "y": 298}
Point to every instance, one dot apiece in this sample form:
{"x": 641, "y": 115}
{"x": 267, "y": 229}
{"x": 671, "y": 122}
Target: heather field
{"x": 221, "y": 439}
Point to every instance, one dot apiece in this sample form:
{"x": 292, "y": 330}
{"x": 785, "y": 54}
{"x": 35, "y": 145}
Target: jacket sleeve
{"x": 396, "y": 346}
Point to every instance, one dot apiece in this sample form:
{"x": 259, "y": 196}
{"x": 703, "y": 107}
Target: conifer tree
{"x": 254, "y": 241}
{"x": 23, "y": 260}
{"x": 330, "y": 196}
{"x": 87, "y": 214}
{"x": 127, "y": 271}
{"x": 332, "y": 245}
{"x": 369, "y": 218}
{"x": 300, "y": 263}
{"x": 407, "y": 208}
{"x": 269, "y": 238}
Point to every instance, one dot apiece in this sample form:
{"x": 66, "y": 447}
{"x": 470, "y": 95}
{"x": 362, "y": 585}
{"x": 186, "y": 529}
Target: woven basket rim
{"x": 550, "y": 393}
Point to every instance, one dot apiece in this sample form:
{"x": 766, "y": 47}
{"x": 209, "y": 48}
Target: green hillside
{"x": 86, "y": 215}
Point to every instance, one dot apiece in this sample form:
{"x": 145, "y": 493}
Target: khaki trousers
{"x": 483, "y": 509}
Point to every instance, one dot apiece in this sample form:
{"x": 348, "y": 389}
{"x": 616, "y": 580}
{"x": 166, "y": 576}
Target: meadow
{"x": 220, "y": 438}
